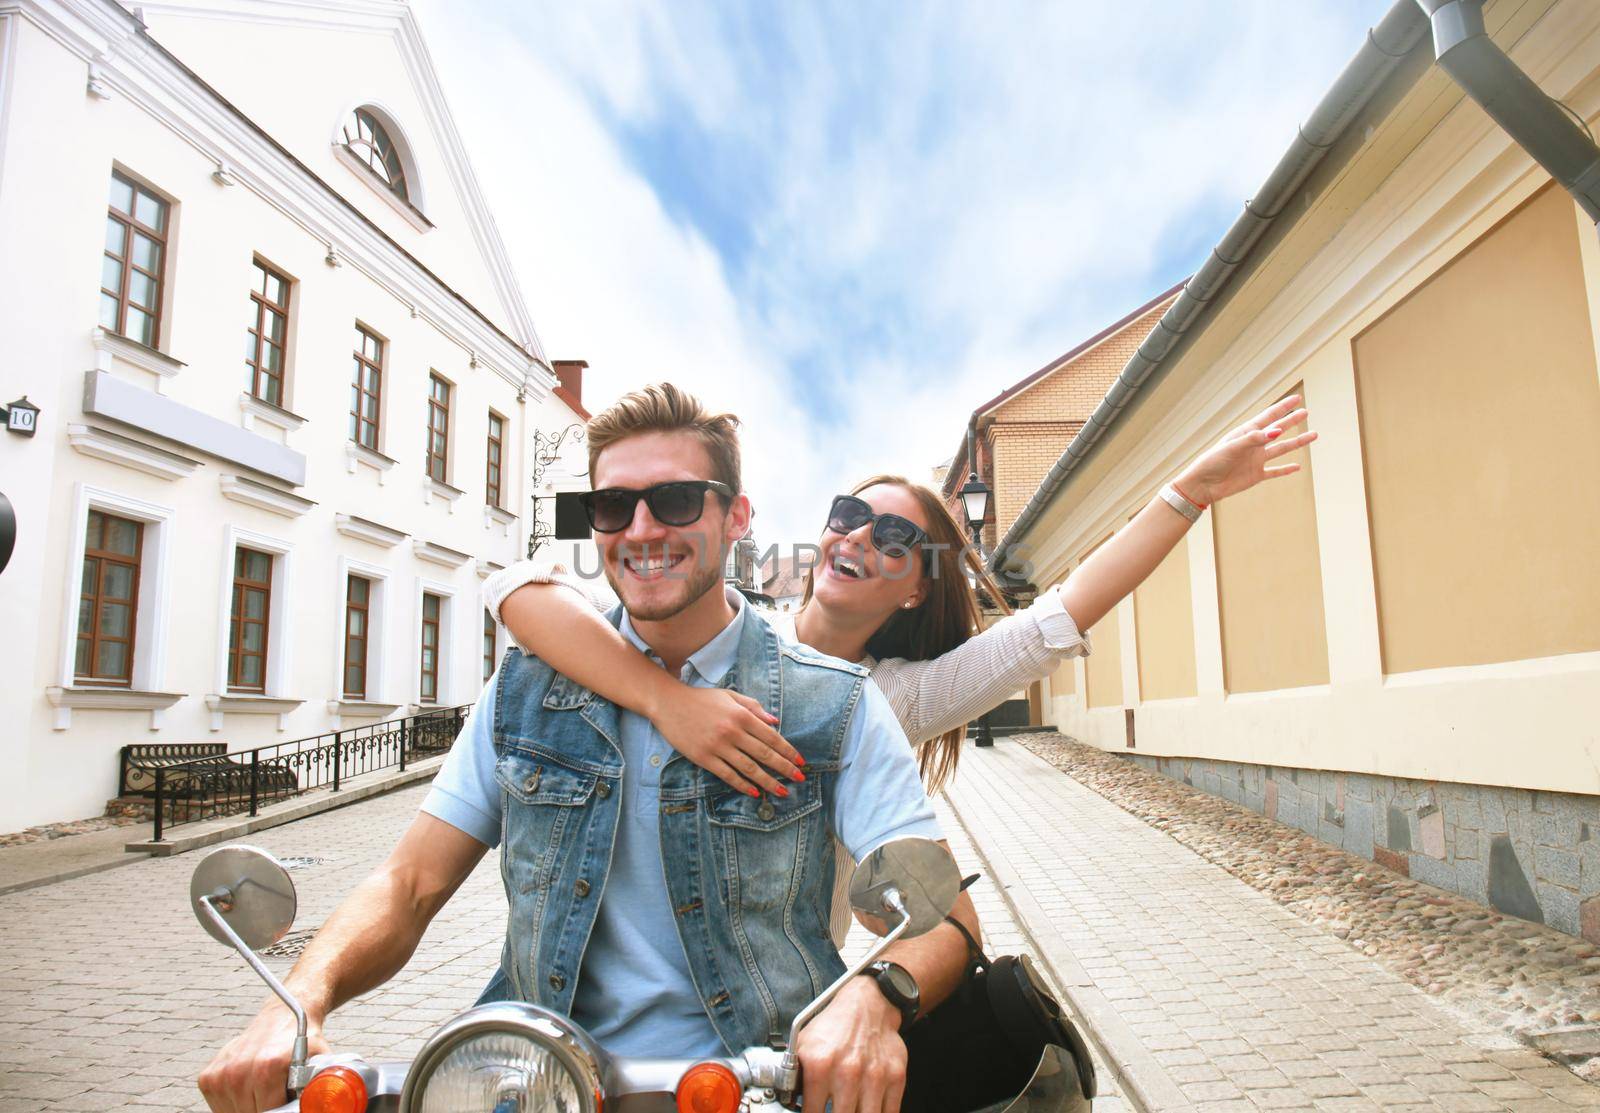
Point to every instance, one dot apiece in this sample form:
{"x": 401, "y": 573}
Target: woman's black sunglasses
{"x": 679, "y": 503}
{"x": 891, "y": 534}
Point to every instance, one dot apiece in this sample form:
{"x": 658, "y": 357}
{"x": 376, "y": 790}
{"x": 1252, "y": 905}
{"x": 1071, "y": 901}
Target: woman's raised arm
{"x": 934, "y": 696}
{"x": 551, "y": 615}
{"x": 1236, "y": 463}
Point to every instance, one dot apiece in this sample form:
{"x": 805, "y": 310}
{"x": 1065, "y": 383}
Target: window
{"x": 438, "y": 427}
{"x": 247, "y": 628}
{"x": 269, "y": 329}
{"x": 115, "y": 607}
{"x": 357, "y": 610}
{"x": 488, "y": 645}
{"x": 431, "y": 607}
{"x": 130, "y": 270}
{"x": 108, "y": 603}
{"x": 372, "y": 145}
{"x": 366, "y": 389}
{"x": 497, "y": 429}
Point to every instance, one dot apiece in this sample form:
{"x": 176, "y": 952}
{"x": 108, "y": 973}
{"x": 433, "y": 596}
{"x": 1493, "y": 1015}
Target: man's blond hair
{"x": 665, "y": 408}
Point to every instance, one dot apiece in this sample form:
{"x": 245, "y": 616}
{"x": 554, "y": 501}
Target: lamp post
{"x": 975, "y": 501}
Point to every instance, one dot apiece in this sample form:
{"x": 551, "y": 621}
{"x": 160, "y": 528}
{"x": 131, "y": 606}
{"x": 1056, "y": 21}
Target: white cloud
{"x": 938, "y": 199}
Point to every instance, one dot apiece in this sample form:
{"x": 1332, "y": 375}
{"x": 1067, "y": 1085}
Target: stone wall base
{"x": 1530, "y": 854}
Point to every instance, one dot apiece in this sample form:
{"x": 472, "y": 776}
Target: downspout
{"x": 1537, "y": 122}
{"x": 1387, "y": 43}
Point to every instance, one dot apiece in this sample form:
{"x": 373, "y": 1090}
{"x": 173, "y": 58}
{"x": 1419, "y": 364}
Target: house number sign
{"x": 22, "y": 417}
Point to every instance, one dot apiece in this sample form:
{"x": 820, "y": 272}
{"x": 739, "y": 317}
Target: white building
{"x": 257, "y": 549}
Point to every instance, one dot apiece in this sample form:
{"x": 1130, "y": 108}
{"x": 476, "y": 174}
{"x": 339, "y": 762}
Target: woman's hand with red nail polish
{"x": 730, "y": 736}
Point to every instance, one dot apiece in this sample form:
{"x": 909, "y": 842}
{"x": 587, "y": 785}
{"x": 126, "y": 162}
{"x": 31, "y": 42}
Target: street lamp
{"x": 975, "y": 501}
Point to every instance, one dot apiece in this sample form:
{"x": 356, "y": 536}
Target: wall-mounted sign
{"x": 572, "y": 524}
{"x": 22, "y": 416}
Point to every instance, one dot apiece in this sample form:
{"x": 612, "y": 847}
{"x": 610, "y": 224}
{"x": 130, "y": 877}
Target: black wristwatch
{"x": 897, "y": 984}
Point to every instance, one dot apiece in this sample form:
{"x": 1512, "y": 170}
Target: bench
{"x": 197, "y": 769}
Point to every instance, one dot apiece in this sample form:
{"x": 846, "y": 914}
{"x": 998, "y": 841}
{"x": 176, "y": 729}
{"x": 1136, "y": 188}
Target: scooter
{"x": 511, "y": 1057}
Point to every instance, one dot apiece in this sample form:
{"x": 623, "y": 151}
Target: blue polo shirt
{"x": 634, "y": 993}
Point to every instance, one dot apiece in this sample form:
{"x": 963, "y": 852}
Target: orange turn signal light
{"x": 709, "y": 1088}
{"x": 335, "y": 1090}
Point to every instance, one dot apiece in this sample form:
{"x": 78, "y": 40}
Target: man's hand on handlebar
{"x": 251, "y": 1073}
{"x": 852, "y": 1054}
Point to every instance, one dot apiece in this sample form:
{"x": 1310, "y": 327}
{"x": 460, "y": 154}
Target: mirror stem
{"x": 299, "y": 1072}
{"x": 892, "y": 902}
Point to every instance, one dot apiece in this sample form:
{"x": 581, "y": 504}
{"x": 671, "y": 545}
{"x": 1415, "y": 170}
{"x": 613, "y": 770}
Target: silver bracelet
{"x": 1170, "y": 496}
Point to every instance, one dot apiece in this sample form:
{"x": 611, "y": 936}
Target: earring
{"x": 907, "y": 605}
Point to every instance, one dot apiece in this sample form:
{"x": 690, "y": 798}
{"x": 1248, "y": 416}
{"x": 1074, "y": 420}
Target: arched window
{"x": 369, "y": 141}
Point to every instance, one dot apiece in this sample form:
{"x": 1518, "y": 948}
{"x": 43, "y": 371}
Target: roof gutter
{"x": 1537, "y": 122}
{"x": 1387, "y": 43}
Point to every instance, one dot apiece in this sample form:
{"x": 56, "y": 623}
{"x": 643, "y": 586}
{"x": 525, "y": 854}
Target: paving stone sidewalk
{"x": 1535, "y": 983}
{"x": 112, "y": 997}
{"x": 1211, "y": 996}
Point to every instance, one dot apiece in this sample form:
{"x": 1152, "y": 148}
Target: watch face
{"x": 904, "y": 984}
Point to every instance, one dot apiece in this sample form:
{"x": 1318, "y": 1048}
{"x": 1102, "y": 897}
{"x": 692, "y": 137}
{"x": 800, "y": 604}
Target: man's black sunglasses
{"x": 679, "y": 503}
{"x": 891, "y": 534}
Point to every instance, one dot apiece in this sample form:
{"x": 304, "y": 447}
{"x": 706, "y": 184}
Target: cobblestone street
{"x": 112, "y": 997}
{"x": 1202, "y": 991}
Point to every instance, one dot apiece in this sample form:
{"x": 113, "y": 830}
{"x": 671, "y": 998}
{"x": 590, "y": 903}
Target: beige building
{"x": 1398, "y": 648}
{"x": 286, "y": 384}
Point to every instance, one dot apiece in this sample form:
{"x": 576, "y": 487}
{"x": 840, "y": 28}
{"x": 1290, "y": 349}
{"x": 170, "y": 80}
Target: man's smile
{"x": 649, "y": 566}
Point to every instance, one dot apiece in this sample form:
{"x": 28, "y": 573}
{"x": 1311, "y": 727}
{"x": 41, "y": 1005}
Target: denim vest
{"x": 750, "y": 880}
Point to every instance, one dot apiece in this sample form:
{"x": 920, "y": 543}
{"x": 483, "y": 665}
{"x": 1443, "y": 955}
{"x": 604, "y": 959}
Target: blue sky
{"x": 852, "y": 223}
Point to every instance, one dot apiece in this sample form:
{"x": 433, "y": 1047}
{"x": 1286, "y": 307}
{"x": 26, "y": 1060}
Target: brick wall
{"x": 1026, "y": 435}
{"x": 1022, "y": 456}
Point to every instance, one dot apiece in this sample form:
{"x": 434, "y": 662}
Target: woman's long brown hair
{"x": 947, "y": 617}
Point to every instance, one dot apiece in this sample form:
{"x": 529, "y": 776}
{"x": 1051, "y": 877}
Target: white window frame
{"x": 447, "y": 617}
{"x": 499, "y": 642}
{"x": 280, "y": 616}
{"x": 414, "y": 208}
{"x": 377, "y": 632}
{"x": 150, "y": 609}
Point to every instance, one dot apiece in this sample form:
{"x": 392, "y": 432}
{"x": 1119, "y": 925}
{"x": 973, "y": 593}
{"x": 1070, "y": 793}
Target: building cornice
{"x": 127, "y": 62}
{"x": 438, "y": 554}
{"x": 66, "y": 699}
{"x": 370, "y": 532}
{"x": 257, "y": 409}
{"x": 129, "y": 452}
{"x": 285, "y": 504}
{"x": 109, "y": 345}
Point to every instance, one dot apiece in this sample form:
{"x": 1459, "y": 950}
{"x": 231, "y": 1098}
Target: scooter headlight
{"x": 507, "y": 1057}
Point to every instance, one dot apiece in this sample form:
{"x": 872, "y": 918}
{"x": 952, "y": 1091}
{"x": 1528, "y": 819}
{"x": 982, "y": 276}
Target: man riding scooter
{"x": 707, "y": 910}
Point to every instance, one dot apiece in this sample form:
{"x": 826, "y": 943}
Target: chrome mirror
{"x": 250, "y": 890}
{"x": 903, "y": 888}
{"x": 919, "y": 872}
{"x": 243, "y": 897}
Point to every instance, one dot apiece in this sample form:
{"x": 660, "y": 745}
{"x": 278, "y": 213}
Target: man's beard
{"x": 704, "y": 576}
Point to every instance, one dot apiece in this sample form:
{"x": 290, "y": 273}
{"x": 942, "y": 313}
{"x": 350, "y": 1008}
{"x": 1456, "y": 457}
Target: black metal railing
{"x": 219, "y": 784}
